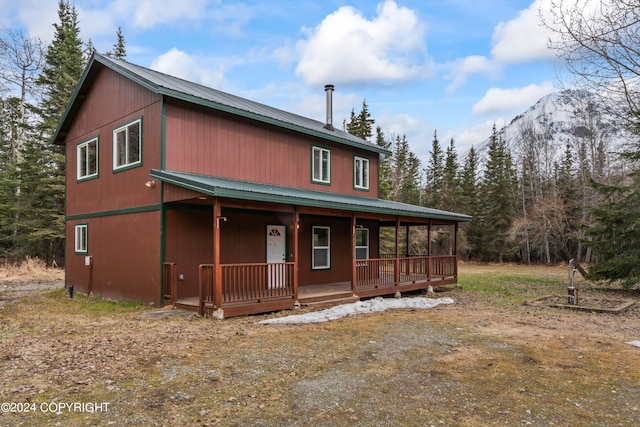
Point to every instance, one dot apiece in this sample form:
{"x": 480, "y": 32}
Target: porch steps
{"x": 323, "y": 302}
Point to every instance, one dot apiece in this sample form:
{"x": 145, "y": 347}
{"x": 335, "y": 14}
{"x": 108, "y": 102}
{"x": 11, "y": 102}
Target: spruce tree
{"x": 119, "y": 50}
{"x": 498, "y": 200}
{"x": 8, "y": 178}
{"x": 615, "y": 233}
{"x": 469, "y": 243}
{"x": 434, "y": 174}
{"x": 450, "y": 181}
{"x": 21, "y": 61}
{"x": 64, "y": 66}
{"x": 360, "y": 125}
{"x": 405, "y": 173}
{"x": 43, "y": 163}
{"x": 384, "y": 168}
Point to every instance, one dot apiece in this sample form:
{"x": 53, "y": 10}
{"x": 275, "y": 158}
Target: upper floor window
{"x": 87, "y": 159}
{"x": 320, "y": 165}
{"x": 361, "y": 173}
{"x": 127, "y": 145}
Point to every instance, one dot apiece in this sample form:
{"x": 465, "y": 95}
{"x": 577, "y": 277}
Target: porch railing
{"x": 443, "y": 266}
{"x": 381, "y": 272}
{"x": 258, "y": 281}
{"x": 246, "y": 283}
{"x": 375, "y": 272}
{"x": 206, "y": 291}
{"x": 170, "y": 282}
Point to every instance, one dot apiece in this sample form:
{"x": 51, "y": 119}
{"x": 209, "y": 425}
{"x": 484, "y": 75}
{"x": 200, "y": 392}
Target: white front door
{"x": 276, "y": 255}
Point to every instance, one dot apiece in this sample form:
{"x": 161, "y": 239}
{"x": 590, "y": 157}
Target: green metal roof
{"x": 234, "y": 189}
{"x": 194, "y": 93}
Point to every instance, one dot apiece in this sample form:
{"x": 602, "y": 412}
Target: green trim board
{"x": 243, "y": 190}
{"x": 126, "y": 211}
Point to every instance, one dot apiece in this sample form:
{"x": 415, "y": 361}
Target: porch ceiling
{"x": 221, "y": 187}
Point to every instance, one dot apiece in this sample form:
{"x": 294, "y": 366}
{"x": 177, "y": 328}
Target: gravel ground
{"x": 483, "y": 360}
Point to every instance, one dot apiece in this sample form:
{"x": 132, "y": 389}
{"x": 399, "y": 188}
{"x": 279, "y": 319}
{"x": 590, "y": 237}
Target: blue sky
{"x": 455, "y": 66}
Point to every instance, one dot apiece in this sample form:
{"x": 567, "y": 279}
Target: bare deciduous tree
{"x": 600, "y": 42}
{"x": 21, "y": 61}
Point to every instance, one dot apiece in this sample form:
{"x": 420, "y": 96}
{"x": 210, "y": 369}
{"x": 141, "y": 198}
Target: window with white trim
{"x": 361, "y": 173}
{"x": 320, "y": 165}
{"x": 321, "y": 251}
{"x": 81, "y": 238}
{"x": 87, "y": 159}
{"x": 127, "y": 145}
{"x": 362, "y": 243}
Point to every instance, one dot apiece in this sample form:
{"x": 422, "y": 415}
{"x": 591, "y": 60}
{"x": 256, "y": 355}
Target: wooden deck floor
{"x": 308, "y": 293}
{"x": 324, "y": 291}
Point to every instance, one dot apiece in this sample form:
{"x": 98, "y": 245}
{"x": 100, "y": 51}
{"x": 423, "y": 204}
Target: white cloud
{"x": 346, "y": 47}
{"x": 518, "y": 40}
{"x": 473, "y": 64}
{"x": 523, "y": 38}
{"x": 35, "y": 16}
{"x": 506, "y": 100}
{"x": 180, "y": 64}
{"x": 150, "y": 13}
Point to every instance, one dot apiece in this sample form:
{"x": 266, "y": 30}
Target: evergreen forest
{"x": 527, "y": 207}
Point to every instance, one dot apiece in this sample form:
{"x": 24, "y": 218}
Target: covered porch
{"x": 229, "y": 256}
{"x": 244, "y": 287}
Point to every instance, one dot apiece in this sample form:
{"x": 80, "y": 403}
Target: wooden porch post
{"x": 429, "y": 251}
{"x": 296, "y": 232}
{"x": 406, "y": 242}
{"x": 396, "y": 270}
{"x": 353, "y": 253}
{"x": 455, "y": 249}
{"x": 217, "y": 274}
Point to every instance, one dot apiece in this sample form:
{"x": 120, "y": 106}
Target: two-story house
{"x": 179, "y": 193}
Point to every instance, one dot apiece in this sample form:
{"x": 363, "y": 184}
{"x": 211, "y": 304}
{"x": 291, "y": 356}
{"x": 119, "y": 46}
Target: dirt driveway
{"x": 486, "y": 359}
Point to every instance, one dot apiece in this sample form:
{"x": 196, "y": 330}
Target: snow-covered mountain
{"x": 561, "y": 118}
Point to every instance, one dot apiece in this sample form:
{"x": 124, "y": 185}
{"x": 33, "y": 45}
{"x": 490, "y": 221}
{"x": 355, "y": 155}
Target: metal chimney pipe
{"x": 329, "y": 90}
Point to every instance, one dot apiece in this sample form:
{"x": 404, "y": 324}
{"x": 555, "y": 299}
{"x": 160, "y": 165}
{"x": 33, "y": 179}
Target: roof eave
{"x": 155, "y": 88}
{"x": 215, "y": 191}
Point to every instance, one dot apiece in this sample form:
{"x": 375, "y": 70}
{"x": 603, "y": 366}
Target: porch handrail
{"x": 375, "y": 272}
{"x": 246, "y": 282}
{"x": 206, "y": 292}
{"x": 444, "y": 266}
{"x": 381, "y": 272}
{"x": 169, "y": 282}
{"x": 257, "y": 281}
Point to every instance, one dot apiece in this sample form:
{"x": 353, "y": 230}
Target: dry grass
{"x": 485, "y": 360}
{"x": 29, "y": 270}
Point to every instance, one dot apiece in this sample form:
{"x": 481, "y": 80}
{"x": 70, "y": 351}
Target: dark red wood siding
{"x": 189, "y": 243}
{"x": 214, "y": 143}
{"x": 243, "y": 237}
{"x": 189, "y": 239}
{"x": 124, "y": 240}
{"x": 125, "y": 250}
{"x": 340, "y": 242}
{"x": 112, "y": 102}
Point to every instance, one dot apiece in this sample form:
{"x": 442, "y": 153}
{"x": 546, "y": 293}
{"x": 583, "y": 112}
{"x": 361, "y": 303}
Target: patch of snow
{"x": 375, "y": 305}
{"x": 634, "y": 343}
